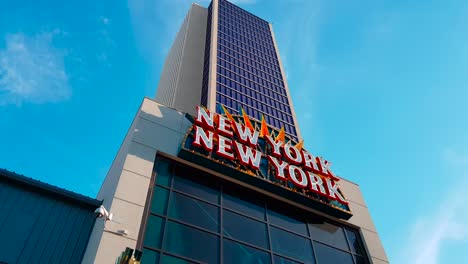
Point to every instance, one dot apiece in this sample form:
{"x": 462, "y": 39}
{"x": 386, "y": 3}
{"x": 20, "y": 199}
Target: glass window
{"x": 280, "y": 260}
{"x": 159, "y": 200}
{"x": 328, "y": 255}
{"x": 236, "y": 253}
{"x": 196, "y": 189}
{"x": 328, "y": 234}
{"x": 163, "y": 174}
{"x": 150, "y": 257}
{"x": 154, "y": 228}
{"x": 282, "y": 219}
{"x": 354, "y": 242}
{"x": 245, "y": 229}
{"x": 166, "y": 259}
{"x": 192, "y": 243}
{"x": 360, "y": 260}
{"x": 253, "y": 209}
{"x": 291, "y": 245}
{"x": 194, "y": 212}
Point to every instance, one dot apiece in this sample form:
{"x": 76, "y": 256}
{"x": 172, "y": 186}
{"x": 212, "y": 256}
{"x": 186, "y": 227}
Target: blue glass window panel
{"x": 360, "y": 260}
{"x": 291, "y": 245}
{"x": 355, "y": 242}
{"x": 280, "y": 260}
{"x": 328, "y": 255}
{"x": 192, "y": 243}
{"x": 163, "y": 174}
{"x": 154, "y": 228}
{"x": 280, "y": 218}
{"x": 159, "y": 200}
{"x": 236, "y": 253}
{"x": 245, "y": 229}
{"x": 150, "y": 257}
{"x": 194, "y": 212}
{"x": 166, "y": 259}
{"x": 329, "y": 234}
{"x": 196, "y": 189}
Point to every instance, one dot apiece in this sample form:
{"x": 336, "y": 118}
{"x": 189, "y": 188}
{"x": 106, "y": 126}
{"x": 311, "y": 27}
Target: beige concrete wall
{"x": 362, "y": 218}
{"x": 182, "y": 76}
{"x": 124, "y": 191}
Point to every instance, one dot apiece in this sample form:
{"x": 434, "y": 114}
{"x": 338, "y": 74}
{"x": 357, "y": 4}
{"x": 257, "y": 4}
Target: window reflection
{"x": 328, "y": 255}
{"x": 245, "y": 229}
{"x": 281, "y": 218}
{"x": 328, "y": 234}
{"x": 236, "y": 253}
{"x": 291, "y": 245}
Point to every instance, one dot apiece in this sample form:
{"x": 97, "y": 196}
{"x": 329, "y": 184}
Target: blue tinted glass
{"x": 280, "y": 218}
{"x": 328, "y": 234}
{"x": 236, "y": 253}
{"x": 154, "y": 228}
{"x": 159, "y": 200}
{"x": 196, "y": 189}
{"x": 166, "y": 259}
{"x": 245, "y": 229}
{"x": 256, "y": 210}
{"x": 149, "y": 257}
{"x": 163, "y": 174}
{"x": 280, "y": 260}
{"x": 291, "y": 245}
{"x": 360, "y": 260}
{"x": 355, "y": 242}
{"x": 192, "y": 243}
{"x": 194, "y": 212}
{"x": 328, "y": 255}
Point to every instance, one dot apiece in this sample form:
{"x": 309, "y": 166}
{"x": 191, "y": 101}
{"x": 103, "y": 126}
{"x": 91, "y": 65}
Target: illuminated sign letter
{"x": 333, "y": 191}
{"x": 293, "y": 175}
{"x": 204, "y": 118}
{"x": 245, "y": 135}
{"x": 325, "y": 165}
{"x": 316, "y": 181}
{"x": 279, "y": 166}
{"x": 224, "y": 126}
{"x": 276, "y": 146}
{"x": 224, "y": 148}
{"x": 294, "y": 157}
{"x": 248, "y": 156}
{"x": 310, "y": 162}
{"x": 202, "y": 139}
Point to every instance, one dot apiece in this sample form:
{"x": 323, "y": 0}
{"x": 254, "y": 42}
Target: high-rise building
{"x": 207, "y": 185}
{"x": 236, "y": 64}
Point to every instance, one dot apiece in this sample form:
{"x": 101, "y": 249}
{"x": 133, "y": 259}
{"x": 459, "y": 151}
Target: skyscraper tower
{"x": 241, "y": 67}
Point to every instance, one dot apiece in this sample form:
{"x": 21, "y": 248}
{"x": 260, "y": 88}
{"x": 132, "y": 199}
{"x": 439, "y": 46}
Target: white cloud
{"x": 32, "y": 70}
{"x": 445, "y": 224}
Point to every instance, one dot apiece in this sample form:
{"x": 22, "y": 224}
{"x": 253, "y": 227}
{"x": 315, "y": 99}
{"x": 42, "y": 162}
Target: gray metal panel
{"x": 38, "y": 226}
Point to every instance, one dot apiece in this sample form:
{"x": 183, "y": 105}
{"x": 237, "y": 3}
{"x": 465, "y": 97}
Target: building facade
{"x": 241, "y": 67}
{"x": 211, "y": 184}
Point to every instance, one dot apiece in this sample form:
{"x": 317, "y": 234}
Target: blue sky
{"x": 380, "y": 88}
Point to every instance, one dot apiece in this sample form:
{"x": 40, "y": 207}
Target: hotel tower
{"x": 214, "y": 170}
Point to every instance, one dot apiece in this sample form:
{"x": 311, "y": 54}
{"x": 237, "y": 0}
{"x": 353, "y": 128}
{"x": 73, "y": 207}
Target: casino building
{"x": 214, "y": 169}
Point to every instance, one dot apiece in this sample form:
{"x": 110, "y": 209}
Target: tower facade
{"x": 241, "y": 67}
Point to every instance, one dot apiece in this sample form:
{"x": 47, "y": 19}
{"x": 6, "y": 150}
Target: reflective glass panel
{"x": 190, "y": 242}
{"x": 154, "y": 228}
{"x": 291, "y": 245}
{"x": 245, "y": 229}
{"x": 166, "y": 259}
{"x": 194, "y": 212}
{"x": 256, "y": 210}
{"x": 149, "y": 257}
{"x": 163, "y": 173}
{"x": 355, "y": 242}
{"x": 328, "y": 255}
{"x": 159, "y": 200}
{"x": 280, "y": 260}
{"x": 278, "y": 217}
{"x": 196, "y": 189}
{"x": 236, "y": 253}
{"x": 329, "y": 234}
{"x": 360, "y": 260}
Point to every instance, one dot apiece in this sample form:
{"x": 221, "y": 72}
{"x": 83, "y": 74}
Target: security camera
{"x": 101, "y": 212}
